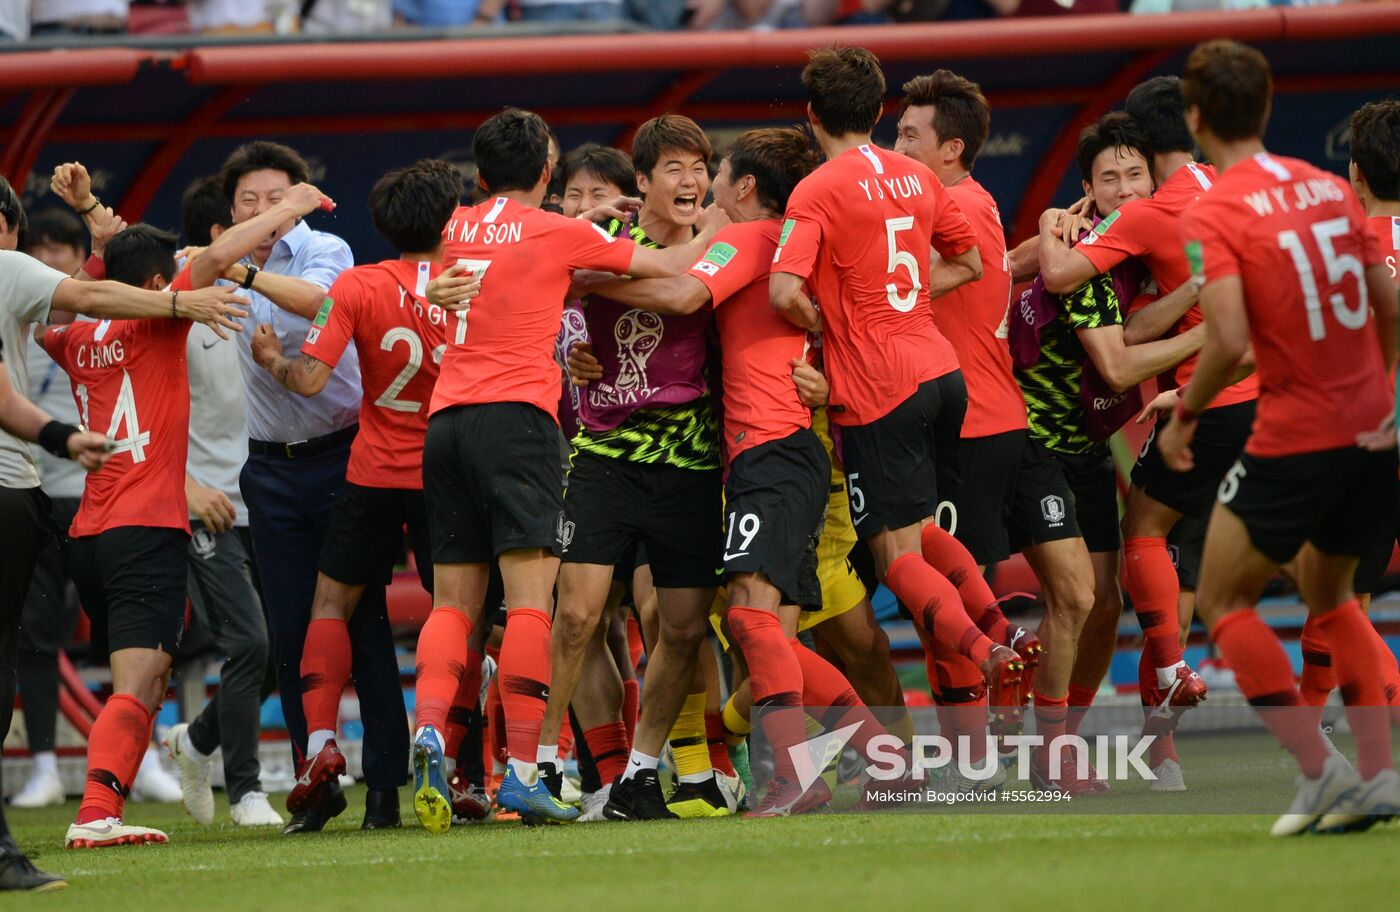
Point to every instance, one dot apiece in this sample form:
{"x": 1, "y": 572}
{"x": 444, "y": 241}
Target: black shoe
{"x": 698, "y": 799}
{"x": 18, "y": 873}
{"x": 553, "y": 778}
{"x": 382, "y": 810}
{"x": 314, "y": 819}
{"x": 638, "y": 798}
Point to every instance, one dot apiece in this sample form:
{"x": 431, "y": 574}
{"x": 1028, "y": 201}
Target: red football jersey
{"x": 502, "y": 348}
{"x": 400, "y": 338}
{"x": 974, "y": 319}
{"x": 1136, "y": 229}
{"x": 756, "y": 344}
{"x": 1386, "y": 230}
{"x": 860, "y": 227}
{"x": 130, "y": 381}
{"x": 1296, "y": 237}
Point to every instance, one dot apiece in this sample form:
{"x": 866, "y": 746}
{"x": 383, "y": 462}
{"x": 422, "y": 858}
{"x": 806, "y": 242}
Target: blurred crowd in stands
{"x": 57, "y": 19}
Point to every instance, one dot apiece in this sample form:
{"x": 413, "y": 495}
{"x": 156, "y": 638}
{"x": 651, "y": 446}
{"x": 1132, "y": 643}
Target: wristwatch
{"x": 248, "y": 278}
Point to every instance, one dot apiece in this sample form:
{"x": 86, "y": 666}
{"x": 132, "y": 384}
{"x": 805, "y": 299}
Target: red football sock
{"x": 947, "y": 555}
{"x": 823, "y": 686}
{"x": 775, "y": 678}
{"x": 1051, "y": 715}
{"x": 1358, "y": 670}
{"x": 1080, "y": 699}
{"x": 936, "y": 606}
{"x": 635, "y": 644}
{"x": 325, "y": 670}
{"x": 465, "y": 704}
{"x": 1154, "y": 589}
{"x": 495, "y": 736}
{"x": 566, "y": 741}
{"x": 442, "y": 660}
{"x": 524, "y": 680}
{"x": 1265, "y": 677}
{"x": 962, "y": 703}
{"x": 609, "y": 746}
{"x": 714, "y": 738}
{"x": 1163, "y": 746}
{"x": 1318, "y": 680}
{"x": 631, "y": 703}
{"x": 116, "y": 746}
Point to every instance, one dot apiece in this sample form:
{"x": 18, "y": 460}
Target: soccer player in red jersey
{"x": 1375, "y": 176}
{"x": 778, "y": 472}
{"x": 1289, "y": 269}
{"x": 1160, "y": 498}
{"x": 128, "y": 541}
{"x": 860, "y": 227}
{"x": 382, "y": 309}
{"x": 944, "y": 120}
{"x": 492, "y": 466}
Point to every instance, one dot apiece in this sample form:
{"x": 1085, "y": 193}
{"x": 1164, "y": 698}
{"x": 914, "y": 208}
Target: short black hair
{"x": 11, "y": 207}
{"x": 511, "y": 149}
{"x": 1375, "y": 147}
{"x": 603, "y": 162}
{"x": 846, "y": 89}
{"x": 202, "y": 206}
{"x": 139, "y": 252}
{"x": 960, "y": 110}
{"x": 1160, "y": 113}
{"x": 57, "y": 226}
{"x": 777, "y": 158}
{"x": 1115, "y": 130}
{"x": 1232, "y": 87}
{"x": 668, "y": 131}
{"x": 410, "y": 206}
{"x": 261, "y": 155}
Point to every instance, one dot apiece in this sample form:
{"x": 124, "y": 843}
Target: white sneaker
{"x": 1377, "y": 799}
{"x": 99, "y": 834}
{"x": 732, "y": 788}
{"x": 488, "y": 671}
{"x": 195, "y": 790}
{"x": 153, "y": 784}
{"x": 569, "y": 792}
{"x": 593, "y": 804}
{"x": 1169, "y": 777}
{"x": 1316, "y": 797}
{"x": 951, "y": 779}
{"x": 253, "y": 809}
{"x": 40, "y": 790}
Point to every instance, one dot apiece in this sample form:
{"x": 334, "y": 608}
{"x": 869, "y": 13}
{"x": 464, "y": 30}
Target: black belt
{"x": 304, "y": 449}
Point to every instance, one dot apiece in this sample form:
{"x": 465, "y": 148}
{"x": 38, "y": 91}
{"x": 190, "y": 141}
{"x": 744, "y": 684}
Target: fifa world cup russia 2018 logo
{"x": 637, "y": 334}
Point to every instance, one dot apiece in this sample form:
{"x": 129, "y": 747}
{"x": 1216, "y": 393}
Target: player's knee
{"x": 683, "y": 633}
{"x": 573, "y": 625}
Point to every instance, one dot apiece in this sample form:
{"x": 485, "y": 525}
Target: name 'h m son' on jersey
{"x": 501, "y": 348}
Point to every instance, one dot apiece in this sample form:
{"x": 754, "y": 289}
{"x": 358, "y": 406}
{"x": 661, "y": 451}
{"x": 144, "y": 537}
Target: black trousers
{"x": 25, "y": 528}
{"x": 289, "y": 506}
{"x": 50, "y": 613}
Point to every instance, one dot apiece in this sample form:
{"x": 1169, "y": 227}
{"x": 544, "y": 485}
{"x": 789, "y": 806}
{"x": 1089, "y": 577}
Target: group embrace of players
{"x": 800, "y": 379}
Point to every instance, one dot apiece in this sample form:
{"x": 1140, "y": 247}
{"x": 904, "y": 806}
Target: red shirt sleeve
{"x": 334, "y": 325}
{"x": 801, "y": 238}
{"x": 736, "y": 259}
{"x": 590, "y": 247}
{"x": 182, "y": 281}
{"x": 1128, "y": 232}
{"x": 1208, "y": 250}
{"x": 952, "y": 233}
{"x": 55, "y": 343}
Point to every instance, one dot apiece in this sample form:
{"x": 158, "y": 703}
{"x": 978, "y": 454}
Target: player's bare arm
{"x": 812, "y": 387}
{"x": 1062, "y": 268}
{"x": 583, "y": 367}
{"x": 786, "y": 296}
{"x": 219, "y": 259}
{"x": 1226, "y": 343}
{"x": 305, "y": 376}
{"x": 675, "y": 296}
{"x": 25, "y": 420}
{"x": 948, "y": 273}
{"x": 1025, "y": 260}
{"x": 215, "y": 307}
{"x": 650, "y": 263}
{"x": 1125, "y": 366}
{"x": 1155, "y": 320}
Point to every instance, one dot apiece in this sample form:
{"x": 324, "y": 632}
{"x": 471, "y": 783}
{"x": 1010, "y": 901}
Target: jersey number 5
{"x": 901, "y": 302}
{"x": 1339, "y": 266}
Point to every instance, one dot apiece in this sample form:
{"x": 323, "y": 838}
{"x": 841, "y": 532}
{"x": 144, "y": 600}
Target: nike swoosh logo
{"x": 728, "y": 556}
{"x": 210, "y": 345}
{"x": 856, "y": 522}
